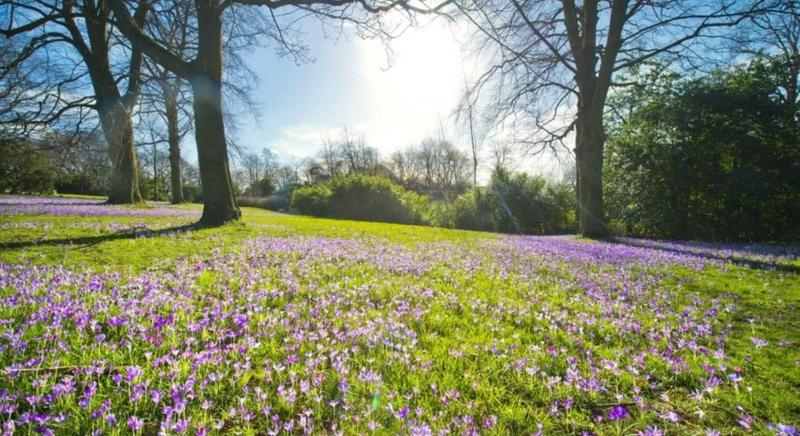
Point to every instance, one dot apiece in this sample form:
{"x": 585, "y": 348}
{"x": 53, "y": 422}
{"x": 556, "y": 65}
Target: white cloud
{"x": 301, "y": 140}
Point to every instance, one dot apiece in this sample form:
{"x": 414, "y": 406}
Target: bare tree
{"x": 164, "y": 93}
{"x": 552, "y": 64}
{"x": 204, "y": 70}
{"x": 331, "y": 161}
{"x": 165, "y": 116}
{"x": 466, "y": 111}
{"x": 400, "y": 165}
{"x": 84, "y": 26}
{"x": 168, "y": 96}
{"x": 776, "y": 37}
{"x": 357, "y": 156}
{"x": 435, "y": 167}
{"x": 155, "y": 165}
{"x": 253, "y": 168}
{"x": 502, "y": 153}
{"x": 271, "y": 163}
{"x": 347, "y": 154}
{"x": 82, "y": 158}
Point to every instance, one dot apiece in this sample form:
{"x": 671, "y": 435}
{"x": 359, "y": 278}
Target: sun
{"x": 417, "y": 83}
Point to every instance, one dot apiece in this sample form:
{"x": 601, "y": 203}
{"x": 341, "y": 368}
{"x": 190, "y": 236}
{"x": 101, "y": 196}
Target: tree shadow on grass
{"x": 706, "y": 251}
{"x": 89, "y": 241}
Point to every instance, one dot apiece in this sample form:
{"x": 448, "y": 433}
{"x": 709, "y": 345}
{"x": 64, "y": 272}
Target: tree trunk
{"x": 155, "y": 172}
{"x": 118, "y": 131}
{"x": 474, "y": 149}
{"x": 115, "y": 115}
{"x": 212, "y": 150}
{"x": 589, "y": 161}
{"x": 171, "y": 109}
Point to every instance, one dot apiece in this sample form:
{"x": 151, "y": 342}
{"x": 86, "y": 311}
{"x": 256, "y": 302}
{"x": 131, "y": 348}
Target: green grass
{"x": 767, "y": 306}
{"x": 128, "y": 254}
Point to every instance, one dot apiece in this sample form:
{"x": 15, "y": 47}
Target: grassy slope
{"x": 769, "y": 301}
{"x": 102, "y": 250}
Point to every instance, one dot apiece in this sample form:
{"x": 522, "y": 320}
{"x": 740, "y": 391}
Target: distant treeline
{"x": 712, "y": 158}
{"x": 80, "y": 164}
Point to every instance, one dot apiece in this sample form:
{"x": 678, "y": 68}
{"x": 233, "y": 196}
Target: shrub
{"x": 24, "y": 170}
{"x": 360, "y": 197}
{"x": 81, "y": 183}
{"x": 312, "y": 199}
{"x": 513, "y": 203}
{"x": 713, "y": 158}
{"x": 266, "y": 187}
{"x": 471, "y": 211}
{"x": 270, "y": 202}
{"x": 193, "y": 193}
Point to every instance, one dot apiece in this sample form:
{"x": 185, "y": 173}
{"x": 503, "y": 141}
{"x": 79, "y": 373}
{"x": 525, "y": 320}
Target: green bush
{"x": 471, "y": 211}
{"x": 312, "y": 199}
{"x": 81, "y": 183}
{"x": 513, "y": 203}
{"x": 360, "y": 197}
{"x": 25, "y": 170}
{"x": 193, "y": 193}
{"x": 269, "y": 202}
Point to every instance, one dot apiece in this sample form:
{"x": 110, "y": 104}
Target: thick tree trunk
{"x": 115, "y": 114}
{"x": 212, "y": 150}
{"x": 589, "y": 160}
{"x": 171, "y": 109}
{"x": 118, "y": 130}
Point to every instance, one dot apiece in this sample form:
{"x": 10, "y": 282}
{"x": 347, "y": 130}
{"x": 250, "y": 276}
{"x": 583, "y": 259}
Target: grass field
{"x": 127, "y": 319}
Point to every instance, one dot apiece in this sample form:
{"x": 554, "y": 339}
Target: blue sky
{"x": 351, "y": 84}
{"x": 395, "y": 101}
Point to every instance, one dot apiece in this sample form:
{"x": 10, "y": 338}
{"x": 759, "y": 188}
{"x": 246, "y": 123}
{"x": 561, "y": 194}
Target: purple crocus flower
{"x": 784, "y": 430}
{"x": 181, "y": 426}
{"x": 618, "y": 413}
{"x": 133, "y": 373}
{"x": 651, "y": 431}
{"x": 135, "y": 423}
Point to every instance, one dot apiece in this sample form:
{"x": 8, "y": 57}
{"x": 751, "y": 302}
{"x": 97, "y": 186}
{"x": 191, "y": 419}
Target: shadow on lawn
{"x": 89, "y": 241}
{"x": 740, "y": 261}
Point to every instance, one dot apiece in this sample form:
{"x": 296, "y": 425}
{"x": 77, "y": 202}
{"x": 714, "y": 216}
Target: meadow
{"x": 127, "y": 319}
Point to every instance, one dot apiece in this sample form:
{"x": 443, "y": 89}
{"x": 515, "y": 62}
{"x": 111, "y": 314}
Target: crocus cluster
{"x": 313, "y": 335}
{"x": 27, "y": 205}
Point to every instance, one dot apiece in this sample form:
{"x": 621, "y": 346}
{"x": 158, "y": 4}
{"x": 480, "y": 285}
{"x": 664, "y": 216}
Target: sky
{"x": 395, "y": 100}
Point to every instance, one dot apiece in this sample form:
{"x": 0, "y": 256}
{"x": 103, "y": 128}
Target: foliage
{"x": 23, "y": 169}
{"x": 81, "y": 183}
{"x": 192, "y": 193}
{"x": 265, "y": 187}
{"x": 515, "y": 203}
{"x": 277, "y": 202}
{"x": 472, "y": 211}
{"x": 361, "y": 197}
{"x": 313, "y": 199}
{"x": 708, "y": 158}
